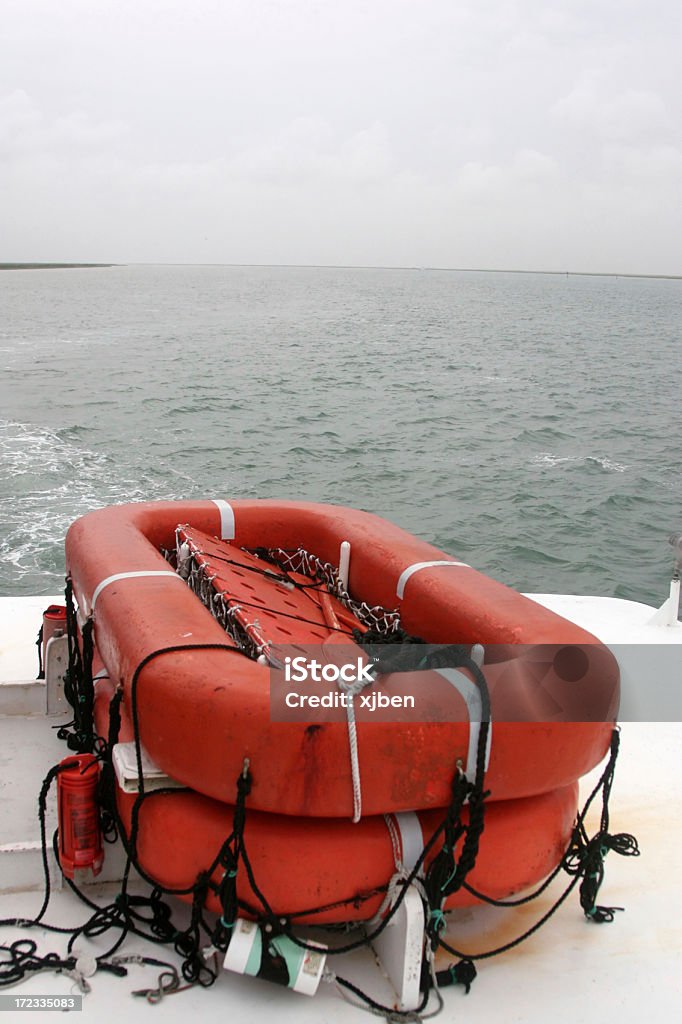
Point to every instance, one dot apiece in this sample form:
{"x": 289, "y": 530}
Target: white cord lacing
{"x": 352, "y": 690}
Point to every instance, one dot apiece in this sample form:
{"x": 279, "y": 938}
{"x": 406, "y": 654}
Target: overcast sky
{"x": 457, "y": 133}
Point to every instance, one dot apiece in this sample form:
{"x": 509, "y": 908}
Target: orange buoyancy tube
{"x": 201, "y": 706}
{"x": 325, "y": 870}
{"x": 300, "y": 864}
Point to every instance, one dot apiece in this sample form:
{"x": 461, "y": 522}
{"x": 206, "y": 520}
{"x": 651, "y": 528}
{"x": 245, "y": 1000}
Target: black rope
{"x": 21, "y": 959}
{"x": 39, "y": 645}
{"x": 126, "y": 912}
{"x": 585, "y": 857}
{"x": 355, "y": 901}
{"x": 79, "y": 687}
{"x": 389, "y": 1012}
{"x": 107, "y": 780}
{"x": 187, "y": 943}
{"x": 228, "y": 857}
{"x": 42, "y": 813}
{"x": 172, "y": 649}
{"x": 583, "y": 860}
{"x": 462, "y": 973}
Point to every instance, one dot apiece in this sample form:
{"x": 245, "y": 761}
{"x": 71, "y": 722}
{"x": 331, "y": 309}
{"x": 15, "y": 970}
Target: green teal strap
{"x": 291, "y": 954}
{"x": 438, "y": 918}
{"x": 255, "y": 956}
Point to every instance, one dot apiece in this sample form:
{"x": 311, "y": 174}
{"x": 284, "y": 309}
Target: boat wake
{"x": 47, "y": 479}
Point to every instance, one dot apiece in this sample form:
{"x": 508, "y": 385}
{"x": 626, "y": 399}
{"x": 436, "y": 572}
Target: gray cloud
{"x": 393, "y": 132}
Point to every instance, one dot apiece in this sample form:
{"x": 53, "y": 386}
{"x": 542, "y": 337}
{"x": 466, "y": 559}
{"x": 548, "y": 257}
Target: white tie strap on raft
{"x": 140, "y": 574}
{"x": 472, "y": 698}
{"x": 227, "y": 527}
{"x": 416, "y": 567}
{"x": 400, "y": 946}
{"x": 411, "y": 840}
{"x": 227, "y": 530}
{"x": 407, "y": 841}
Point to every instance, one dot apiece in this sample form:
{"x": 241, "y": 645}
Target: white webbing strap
{"x": 471, "y": 695}
{"x": 226, "y": 518}
{"x": 416, "y": 567}
{"x": 141, "y": 574}
{"x": 407, "y": 842}
{"x": 411, "y": 840}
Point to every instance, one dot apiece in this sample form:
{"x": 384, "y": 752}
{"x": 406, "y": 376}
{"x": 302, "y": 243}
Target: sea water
{"x": 526, "y": 423}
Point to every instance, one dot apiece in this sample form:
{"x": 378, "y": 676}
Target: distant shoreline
{"x": 53, "y": 266}
{"x": 346, "y": 266}
{"x": 563, "y": 273}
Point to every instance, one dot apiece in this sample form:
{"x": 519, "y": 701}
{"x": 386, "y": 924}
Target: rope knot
{"x": 435, "y": 926}
{"x": 622, "y": 843}
{"x": 438, "y": 918}
{"x": 244, "y": 781}
{"x": 463, "y": 973}
{"x": 590, "y": 861}
{"x": 602, "y": 915}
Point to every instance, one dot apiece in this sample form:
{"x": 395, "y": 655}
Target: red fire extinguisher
{"x": 80, "y": 837}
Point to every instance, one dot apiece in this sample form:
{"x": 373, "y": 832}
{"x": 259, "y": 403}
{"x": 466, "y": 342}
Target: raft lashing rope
{"x": 275, "y": 951}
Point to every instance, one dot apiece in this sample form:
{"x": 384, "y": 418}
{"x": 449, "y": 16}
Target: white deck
{"x": 570, "y": 971}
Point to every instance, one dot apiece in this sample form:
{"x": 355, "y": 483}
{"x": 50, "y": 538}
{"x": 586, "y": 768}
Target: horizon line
{"x": 77, "y": 265}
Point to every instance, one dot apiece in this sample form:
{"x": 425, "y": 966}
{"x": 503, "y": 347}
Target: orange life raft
{"x": 202, "y": 707}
